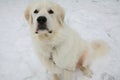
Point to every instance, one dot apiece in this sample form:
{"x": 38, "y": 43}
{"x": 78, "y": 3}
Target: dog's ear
{"x": 28, "y": 15}
{"x": 60, "y": 13}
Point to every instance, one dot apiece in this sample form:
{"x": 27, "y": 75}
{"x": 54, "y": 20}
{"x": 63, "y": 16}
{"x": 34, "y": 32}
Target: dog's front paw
{"x": 88, "y": 73}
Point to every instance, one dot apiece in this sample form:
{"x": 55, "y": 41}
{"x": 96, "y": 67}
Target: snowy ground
{"x": 93, "y": 19}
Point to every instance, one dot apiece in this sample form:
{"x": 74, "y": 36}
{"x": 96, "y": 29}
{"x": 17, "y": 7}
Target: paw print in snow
{"x": 106, "y": 76}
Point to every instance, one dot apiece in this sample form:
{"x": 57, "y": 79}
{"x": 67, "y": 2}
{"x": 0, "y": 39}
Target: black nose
{"x": 41, "y": 19}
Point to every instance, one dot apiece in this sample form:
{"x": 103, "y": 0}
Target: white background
{"x": 92, "y": 19}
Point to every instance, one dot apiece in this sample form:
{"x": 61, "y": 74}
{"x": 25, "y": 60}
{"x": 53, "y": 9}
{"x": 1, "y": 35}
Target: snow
{"x": 92, "y": 19}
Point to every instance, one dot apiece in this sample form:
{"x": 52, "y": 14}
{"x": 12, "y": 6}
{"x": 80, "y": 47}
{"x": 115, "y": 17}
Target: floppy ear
{"x": 60, "y": 13}
{"x": 27, "y": 15}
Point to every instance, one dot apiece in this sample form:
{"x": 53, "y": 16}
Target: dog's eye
{"x": 36, "y": 11}
{"x": 50, "y": 11}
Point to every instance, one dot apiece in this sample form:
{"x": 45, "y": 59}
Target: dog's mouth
{"x": 42, "y": 27}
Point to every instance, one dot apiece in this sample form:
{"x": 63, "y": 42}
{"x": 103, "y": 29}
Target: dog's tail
{"x": 100, "y": 48}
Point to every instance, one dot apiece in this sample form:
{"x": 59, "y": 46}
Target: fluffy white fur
{"x": 62, "y": 51}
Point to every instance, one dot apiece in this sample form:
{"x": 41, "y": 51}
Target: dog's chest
{"x": 62, "y": 58}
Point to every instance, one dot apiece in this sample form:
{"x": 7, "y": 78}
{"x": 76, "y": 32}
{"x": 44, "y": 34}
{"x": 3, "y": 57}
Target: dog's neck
{"x": 54, "y": 39}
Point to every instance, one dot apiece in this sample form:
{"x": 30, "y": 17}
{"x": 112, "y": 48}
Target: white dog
{"x": 60, "y": 49}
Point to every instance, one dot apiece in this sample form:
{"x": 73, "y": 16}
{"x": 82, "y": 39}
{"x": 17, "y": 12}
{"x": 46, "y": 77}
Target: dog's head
{"x": 44, "y": 17}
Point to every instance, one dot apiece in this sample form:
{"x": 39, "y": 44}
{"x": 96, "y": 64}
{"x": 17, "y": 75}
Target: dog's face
{"x": 44, "y": 17}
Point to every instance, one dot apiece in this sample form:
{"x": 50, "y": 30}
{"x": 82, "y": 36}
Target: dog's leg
{"x": 55, "y": 77}
{"x": 83, "y": 64}
{"x": 86, "y": 71}
{"x": 67, "y": 75}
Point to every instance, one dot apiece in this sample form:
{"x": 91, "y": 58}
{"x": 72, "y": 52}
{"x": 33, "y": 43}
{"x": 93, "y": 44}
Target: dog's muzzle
{"x": 41, "y": 20}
